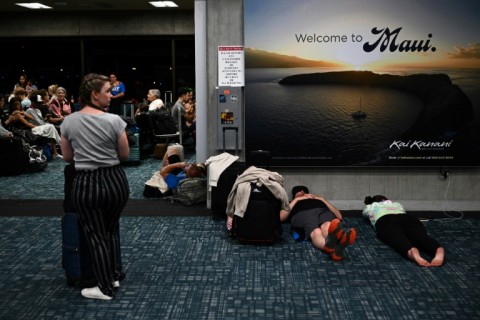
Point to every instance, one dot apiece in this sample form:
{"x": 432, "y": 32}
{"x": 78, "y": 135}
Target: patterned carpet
{"x": 184, "y": 267}
{"x": 41, "y": 193}
{"x": 48, "y": 184}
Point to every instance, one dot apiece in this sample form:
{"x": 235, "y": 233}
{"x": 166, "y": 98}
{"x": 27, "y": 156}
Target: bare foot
{"x": 437, "y": 261}
{"x": 414, "y": 255}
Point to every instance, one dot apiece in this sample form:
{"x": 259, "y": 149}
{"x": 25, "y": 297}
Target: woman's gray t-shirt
{"x": 93, "y": 138}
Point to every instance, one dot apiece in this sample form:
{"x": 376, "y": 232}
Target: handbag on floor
{"x": 37, "y": 160}
{"x": 191, "y": 191}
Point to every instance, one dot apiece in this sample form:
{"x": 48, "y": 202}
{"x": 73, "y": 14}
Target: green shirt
{"x": 377, "y": 210}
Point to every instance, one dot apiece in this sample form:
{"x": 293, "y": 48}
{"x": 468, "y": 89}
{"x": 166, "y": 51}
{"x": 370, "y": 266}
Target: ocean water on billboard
{"x": 315, "y": 121}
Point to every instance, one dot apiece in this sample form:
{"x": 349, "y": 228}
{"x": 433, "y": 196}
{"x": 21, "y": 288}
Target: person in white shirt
{"x": 43, "y": 126}
{"x": 153, "y": 98}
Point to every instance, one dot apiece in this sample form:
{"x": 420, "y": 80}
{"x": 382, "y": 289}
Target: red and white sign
{"x": 231, "y": 66}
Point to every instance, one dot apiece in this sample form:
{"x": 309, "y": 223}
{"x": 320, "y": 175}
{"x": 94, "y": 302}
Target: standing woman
{"x": 118, "y": 94}
{"x": 95, "y": 141}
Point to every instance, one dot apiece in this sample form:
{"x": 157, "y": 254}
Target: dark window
{"x": 141, "y": 63}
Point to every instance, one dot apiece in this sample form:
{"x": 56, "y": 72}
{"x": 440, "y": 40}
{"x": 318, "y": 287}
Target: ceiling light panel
{"x": 33, "y": 5}
{"x": 164, "y": 4}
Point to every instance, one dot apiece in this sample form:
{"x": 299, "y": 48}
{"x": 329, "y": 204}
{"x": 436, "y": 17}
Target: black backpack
{"x": 162, "y": 122}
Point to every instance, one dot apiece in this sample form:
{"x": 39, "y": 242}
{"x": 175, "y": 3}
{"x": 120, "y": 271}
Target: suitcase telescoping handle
{"x": 236, "y": 138}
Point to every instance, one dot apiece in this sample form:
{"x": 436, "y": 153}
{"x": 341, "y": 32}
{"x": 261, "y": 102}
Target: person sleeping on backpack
{"x": 177, "y": 170}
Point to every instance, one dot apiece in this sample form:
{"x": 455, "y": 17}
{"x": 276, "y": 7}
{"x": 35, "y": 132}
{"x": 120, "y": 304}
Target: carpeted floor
{"x": 186, "y": 268}
{"x": 48, "y": 184}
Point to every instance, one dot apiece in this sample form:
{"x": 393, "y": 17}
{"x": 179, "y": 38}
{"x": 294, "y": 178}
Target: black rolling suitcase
{"x": 219, "y": 194}
{"x": 76, "y": 260}
{"x": 75, "y": 254}
{"x": 261, "y": 221}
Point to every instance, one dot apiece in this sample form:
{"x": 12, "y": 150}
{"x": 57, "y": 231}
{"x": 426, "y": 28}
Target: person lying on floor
{"x": 313, "y": 218}
{"x": 172, "y": 150}
{"x": 177, "y": 170}
{"x": 402, "y": 231}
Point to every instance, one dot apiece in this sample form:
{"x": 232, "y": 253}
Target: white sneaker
{"x": 116, "y": 284}
{"x": 95, "y": 293}
{"x": 57, "y": 156}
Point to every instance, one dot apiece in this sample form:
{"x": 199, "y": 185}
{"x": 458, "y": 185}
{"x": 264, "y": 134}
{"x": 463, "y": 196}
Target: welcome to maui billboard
{"x": 363, "y": 82}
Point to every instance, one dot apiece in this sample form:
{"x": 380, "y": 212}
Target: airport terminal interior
{"x": 179, "y": 260}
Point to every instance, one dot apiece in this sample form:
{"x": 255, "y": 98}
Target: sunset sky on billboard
{"x": 426, "y": 33}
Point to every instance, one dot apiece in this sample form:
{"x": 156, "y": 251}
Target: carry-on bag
{"x": 13, "y": 156}
{"x": 219, "y": 194}
{"x": 76, "y": 261}
{"x": 261, "y": 221}
{"x": 134, "y": 155}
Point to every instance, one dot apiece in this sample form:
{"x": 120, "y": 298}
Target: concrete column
{"x": 201, "y": 82}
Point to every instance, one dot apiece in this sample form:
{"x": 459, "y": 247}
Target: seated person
{"x": 314, "y": 218}
{"x": 153, "y": 98}
{"x": 3, "y": 108}
{"x": 190, "y": 118}
{"x": 174, "y": 149}
{"x": 4, "y": 133}
{"x": 402, "y": 231}
{"x": 60, "y": 106}
{"x": 43, "y": 105}
{"x": 22, "y": 94}
{"x": 39, "y": 109}
{"x": 178, "y": 110}
{"x": 32, "y": 120}
{"x": 142, "y": 108}
{"x": 17, "y": 118}
{"x": 177, "y": 170}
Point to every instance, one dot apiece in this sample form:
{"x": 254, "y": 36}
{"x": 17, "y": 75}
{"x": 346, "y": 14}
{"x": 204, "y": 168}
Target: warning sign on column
{"x": 231, "y": 66}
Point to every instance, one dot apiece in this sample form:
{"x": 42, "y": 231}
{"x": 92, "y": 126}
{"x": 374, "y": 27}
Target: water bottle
{"x": 295, "y": 235}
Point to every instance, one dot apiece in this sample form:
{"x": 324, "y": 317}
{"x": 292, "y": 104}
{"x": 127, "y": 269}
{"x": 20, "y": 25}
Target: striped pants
{"x": 99, "y": 197}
